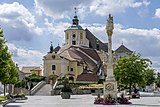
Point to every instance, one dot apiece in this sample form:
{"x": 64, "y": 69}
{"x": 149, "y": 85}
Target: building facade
{"x": 80, "y": 58}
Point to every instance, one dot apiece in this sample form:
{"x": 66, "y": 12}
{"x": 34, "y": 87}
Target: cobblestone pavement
{"x": 80, "y": 101}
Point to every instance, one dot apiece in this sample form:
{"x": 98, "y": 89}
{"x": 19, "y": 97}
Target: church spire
{"x": 75, "y": 18}
{"x": 51, "y": 48}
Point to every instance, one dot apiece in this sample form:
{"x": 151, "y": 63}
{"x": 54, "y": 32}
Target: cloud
{"x": 56, "y": 29}
{"x": 19, "y": 23}
{"x": 143, "y": 41}
{"x": 103, "y": 8}
{"x": 58, "y": 8}
{"x": 157, "y": 13}
{"x": 25, "y": 57}
{"x": 64, "y": 9}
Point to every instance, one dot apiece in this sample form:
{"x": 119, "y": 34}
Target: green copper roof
{"x": 75, "y": 27}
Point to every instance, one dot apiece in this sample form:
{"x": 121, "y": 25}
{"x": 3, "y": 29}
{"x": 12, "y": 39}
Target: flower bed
{"x": 110, "y": 101}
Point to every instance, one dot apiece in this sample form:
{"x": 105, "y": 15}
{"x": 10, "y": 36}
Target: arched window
{"x": 74, "y": 36}
{"x": 53, "y": 67}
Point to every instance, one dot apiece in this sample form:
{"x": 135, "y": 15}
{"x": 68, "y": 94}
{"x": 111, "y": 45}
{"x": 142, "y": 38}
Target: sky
{"x": 30, "y": 25}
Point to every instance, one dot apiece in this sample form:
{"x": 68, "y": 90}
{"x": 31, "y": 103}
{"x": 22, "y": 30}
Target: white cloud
{"x": 19, "y": 21}
{"x": 57, "y": 29}
{"x": 157, "y": 13}
{"x": 103, "y": 8}
{"x": 16, "y": 11}
{"x": 64, "y": 9}
{"x": 25, "y": 57}
{"x": 144, "y": 41}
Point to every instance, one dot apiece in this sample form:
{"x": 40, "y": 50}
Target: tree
{"x": 8, "y": 69}
{"x": 149, "y": 76}
{"x": 158, "y": 80}
{"x": 130, "y": 70}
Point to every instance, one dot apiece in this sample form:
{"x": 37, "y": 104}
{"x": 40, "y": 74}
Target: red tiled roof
{"x": 87, "y": 77}
{"x": 36, "y": 69}
{"x": 82, "y": 54}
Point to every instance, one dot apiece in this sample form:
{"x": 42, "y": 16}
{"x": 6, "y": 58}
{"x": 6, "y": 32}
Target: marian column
{"x": 110, "y": 85}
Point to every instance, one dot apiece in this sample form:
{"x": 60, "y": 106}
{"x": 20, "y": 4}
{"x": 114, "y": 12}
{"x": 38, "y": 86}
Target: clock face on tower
{"x": 109, "y": 87}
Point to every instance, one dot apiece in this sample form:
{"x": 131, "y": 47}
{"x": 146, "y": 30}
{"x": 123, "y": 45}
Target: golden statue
{"x": 110, "y": 25}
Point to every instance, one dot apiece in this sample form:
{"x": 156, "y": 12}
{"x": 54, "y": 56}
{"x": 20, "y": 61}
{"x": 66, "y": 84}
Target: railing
{"x": 37, "y": 87}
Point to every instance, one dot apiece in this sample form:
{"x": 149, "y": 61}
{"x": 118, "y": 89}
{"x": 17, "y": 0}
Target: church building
{"x": 81, "y": 58}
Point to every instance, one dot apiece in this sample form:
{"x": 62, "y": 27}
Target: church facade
{"x": 81, "y": 58}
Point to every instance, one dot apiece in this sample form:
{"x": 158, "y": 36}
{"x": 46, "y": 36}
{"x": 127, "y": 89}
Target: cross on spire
{"x": 75, "y": 10}
{"x": 122, "y": 43}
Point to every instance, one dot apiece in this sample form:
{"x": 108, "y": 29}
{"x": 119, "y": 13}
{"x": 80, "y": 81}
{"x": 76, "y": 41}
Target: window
{"x": 67, "y": 36}
{"x": 68, "y": 68}
{"x": 53, "y": 56}
{"x": 97, "y": 46}
{"x": 73, "y": 42}
{"x": 71, "y": 69}
{"x": 74, "y": 36}
{"x": 90, "y": 45}
{"x": 81, "y": 36}
{"x": 53, "y": 67}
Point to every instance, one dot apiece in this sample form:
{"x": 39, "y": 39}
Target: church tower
{"x": 75, "y": 35}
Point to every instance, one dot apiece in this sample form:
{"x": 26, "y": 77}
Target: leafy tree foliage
{"x": 8, "y": 69}
{"x": 130, "y": 70}
{"x": 149, "y": 76}
{"x": 158, "y": 80}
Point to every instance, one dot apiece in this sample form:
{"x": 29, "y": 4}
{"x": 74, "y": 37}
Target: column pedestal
{"x": 110, "y": 88}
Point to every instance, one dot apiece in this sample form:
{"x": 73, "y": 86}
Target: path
{"x": 44, "y": 91}
{"x": 80, "y": 101}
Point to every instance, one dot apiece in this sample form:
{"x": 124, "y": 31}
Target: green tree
{"x": 130, "y": 70}
{"x": 8, "y": 69}
{"x": 150, "y": 76}
{"x": 158, "y": 80}
{"x": 4, "y": 57}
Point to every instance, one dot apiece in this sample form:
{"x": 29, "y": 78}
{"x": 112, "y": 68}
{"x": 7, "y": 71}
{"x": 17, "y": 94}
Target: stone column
{"x": 110, "y": 85}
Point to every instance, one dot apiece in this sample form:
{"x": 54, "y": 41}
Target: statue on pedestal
{"x": 110, "y": 85}
{"x": 110, "y": 25}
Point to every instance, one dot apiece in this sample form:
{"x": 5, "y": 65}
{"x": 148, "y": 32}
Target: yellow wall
{"x": 77, "y": 70}
{"x": 37, "y": 72}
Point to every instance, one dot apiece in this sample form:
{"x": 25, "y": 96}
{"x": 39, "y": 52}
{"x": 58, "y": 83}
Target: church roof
{"x": 75, "y": 23}
{"x": 87, "y": 76}
{"x": 75, "y": 27}
{"x": 93, "y": 41}
{"x": 56, "y": 49}
{"x": 123, "y": 49}
{"x": 82, "y": 54}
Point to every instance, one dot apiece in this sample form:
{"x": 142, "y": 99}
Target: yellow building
{"x": 80, "y": 58}
{"x": 28, "y": 70}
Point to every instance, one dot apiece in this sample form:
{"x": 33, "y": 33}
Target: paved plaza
{"x": 79, "y": 101}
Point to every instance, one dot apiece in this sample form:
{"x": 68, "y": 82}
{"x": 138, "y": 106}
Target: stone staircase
{"x": 44, "y": 91}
